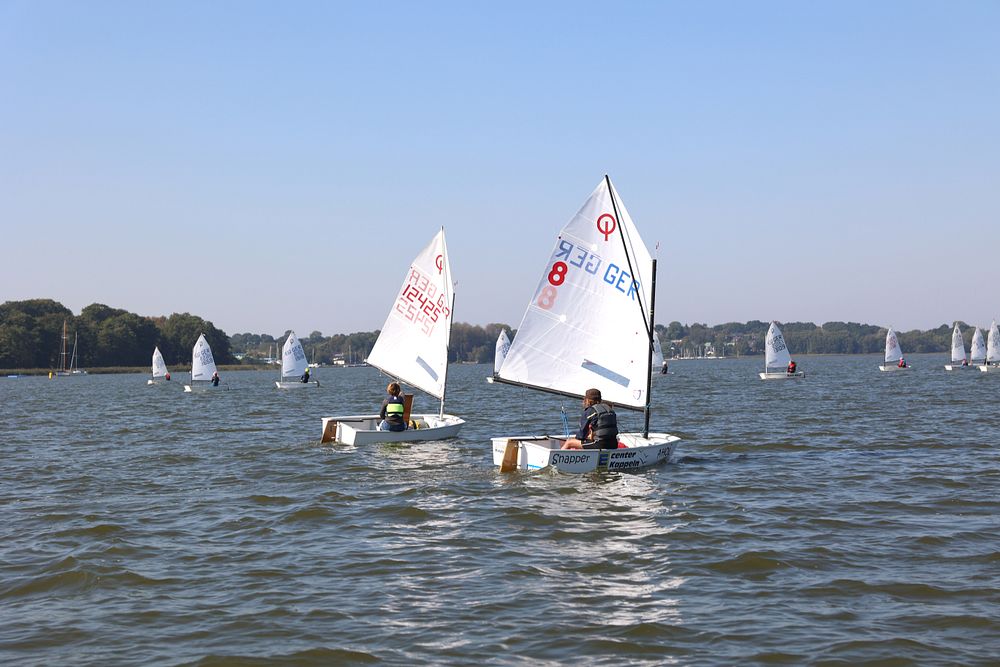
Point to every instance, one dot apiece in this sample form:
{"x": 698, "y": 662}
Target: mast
{"x": 444, "y": 381}
{"x": 647, "y": 323}
{"x": 62, "y": 356}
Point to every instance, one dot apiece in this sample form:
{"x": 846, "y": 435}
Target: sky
{"x": 273, "y": 166}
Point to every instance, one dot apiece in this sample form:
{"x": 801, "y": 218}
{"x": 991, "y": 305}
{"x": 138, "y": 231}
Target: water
{"x": 850, "y": 517}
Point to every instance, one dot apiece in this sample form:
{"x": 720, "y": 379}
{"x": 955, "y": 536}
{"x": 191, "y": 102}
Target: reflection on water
{"x": 850, "y": 516}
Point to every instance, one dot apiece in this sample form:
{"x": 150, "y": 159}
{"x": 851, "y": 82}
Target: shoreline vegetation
{"x": 112, "y": 340}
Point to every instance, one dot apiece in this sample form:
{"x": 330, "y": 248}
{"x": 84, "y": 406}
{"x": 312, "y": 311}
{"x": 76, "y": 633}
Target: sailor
{"x": 792, "y": 367}
{"x": 663, "y": 369}
{"x": 167, "y": 377}
{"x": 215, "y": 379}
{"x": 305, "y": 376}
{"x": 392, "y": 410}
{"x": 598, "y": 425}
{"x": 902, "y": 363}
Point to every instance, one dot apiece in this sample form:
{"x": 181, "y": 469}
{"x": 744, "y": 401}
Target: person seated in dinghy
{"x": 392, "y": 410}
{"x": 305, "y": 377}
{"x": 598, "y": 425}
{"x": 902, "y": 362}
{"x": 215, "y": 379}
{"x": 792, "y": 367}
{"x": 965, "y": 362}
{"x": 167, "y": 377}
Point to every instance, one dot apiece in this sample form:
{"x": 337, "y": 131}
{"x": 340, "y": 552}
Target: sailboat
{"x": 776, "y": 356}
{"x": 68, "y": 369}
{"x": 992, "y": 364}
{"x": 589, "y": 324}
{"x": 413, "y": 348}
{"x": 502, "y": 348}
{"x": 958, "y": 359}
{"x": 202, "y": 366}
{"x": 159, "y": 368}
{"x": 978, "y": 350}
{"x": 293, "y": 365}
{"x": 893, "y": 353}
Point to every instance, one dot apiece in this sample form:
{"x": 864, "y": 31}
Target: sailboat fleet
{"x": 598, "y": 285}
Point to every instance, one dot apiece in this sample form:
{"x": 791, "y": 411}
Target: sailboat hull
{"x": 989, "y": 369}
{"x": 295, "y": 384}
{"x": 782, "y": 375}
{"x": 893, "y": 368}
{"x": 363, "y": 429}
{"x": 543, "y": 451}
{"x": 957, "y": 367}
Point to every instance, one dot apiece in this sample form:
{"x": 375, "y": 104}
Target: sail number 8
{"x": 557, "y": 276}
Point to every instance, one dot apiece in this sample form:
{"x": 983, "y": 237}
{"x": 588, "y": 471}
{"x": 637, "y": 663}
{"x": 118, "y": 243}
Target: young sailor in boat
{"x": 167, "y": 377}
{"x": 598, "y": 425}
{"x": 392, "y": 410}
{"x": 305, "y": 376}
{"x": 215, "y": 379}
{"x": 902, "y": 363}
{"x": 792, "y": 367}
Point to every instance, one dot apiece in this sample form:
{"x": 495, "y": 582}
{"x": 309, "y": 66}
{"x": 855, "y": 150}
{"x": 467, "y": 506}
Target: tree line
{"x": 31, "y": 337}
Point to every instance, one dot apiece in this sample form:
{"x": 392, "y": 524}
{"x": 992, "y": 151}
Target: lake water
{"x": 850, "y": 517}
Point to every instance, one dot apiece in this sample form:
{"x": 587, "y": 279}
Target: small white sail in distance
{"x": 776, "y": 353}
{"x": 413, "y": 343}
{"x": 202, "y": 361}
{"x": 502, "y": 347}
{"x": 993, "y": 344}
{"x": 587, "y": 324}
{"x": 893, "y": 352}
{"x": 293, "y": 357}
{"x": 159, "y": 366}
{"x": 978, "y": 350}
{"x": 957, "y": 346}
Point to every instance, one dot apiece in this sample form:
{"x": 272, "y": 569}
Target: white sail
{"x": 202, "y": 361}
{"x": 957, "y": 346}
{"x": 503, "y": 345}
{"x": 775, "y": 351}
{"x": 587, "y": 324}
{"x": 978, "y": 351}
{"x": 893, "y": 353}
{"x": 993, "y": 344}
{"x": 293, "y": 357}
{"x": 159, "y": 367}
{"x": 657, "y": 352}
{"x": 413, "y": 343}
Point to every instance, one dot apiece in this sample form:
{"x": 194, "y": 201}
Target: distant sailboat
{"x": 777, "y": 357}
{"x": 293, "y": 365}
{"x": 203, "y": 368}
{"x": 958, "y": 359}
{"x": 159, "y": 369}
{"x": 503, "y": 346}
{"x": 893, "y": 354}
{"x": 992, "y": 364}
{"x": 978, "y": 351}
{"x": 68, "y": 369}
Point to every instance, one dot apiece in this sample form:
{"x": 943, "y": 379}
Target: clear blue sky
{"x": 277, "y": 165}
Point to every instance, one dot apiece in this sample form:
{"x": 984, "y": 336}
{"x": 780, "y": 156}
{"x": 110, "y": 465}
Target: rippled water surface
{"x": 850, "y": 517}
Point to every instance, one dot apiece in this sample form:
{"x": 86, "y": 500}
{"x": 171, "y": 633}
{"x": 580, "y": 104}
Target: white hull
{"x": 989, "y": 369}
{"x": 957, "y": 367}
{"x": 363, "y": 429}
{"x": 200, "y": 388}
{"x": 781, "y": 375}
{"x": 156, "y": 381}
{"x": 296, "y": 384}
{"x": 542, "y": 451}
{"x": 889, "y": 369}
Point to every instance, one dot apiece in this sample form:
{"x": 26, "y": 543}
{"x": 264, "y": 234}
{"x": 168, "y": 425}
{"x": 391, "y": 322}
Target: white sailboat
{"x": 502, "y": 348}
{"x": 413, "y": 348}
{"x": 293, "y": 365}
{"x": 68, "y": 369}
{"x": 992, "y": 364}
{"x": 958, "y": 358}
{"x": 589, "y": 324}
{"x": 202, "y": 366}
{"x": 159, "y": 368}
{"x": 978, "y": 350}
{"x": 893, "y": 354}
{"x": 776, "y": 356}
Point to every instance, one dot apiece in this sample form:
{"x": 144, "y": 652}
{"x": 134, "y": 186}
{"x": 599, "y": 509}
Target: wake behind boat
{"x": 294, "y": 366}
{"x": 893, "y": 354}
{"x": 597, "y": 286}
{"x": 412, "y": 347}
{"x": 776, "y": 356}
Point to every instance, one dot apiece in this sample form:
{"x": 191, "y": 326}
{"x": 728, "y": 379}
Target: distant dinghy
{"x": 893, "y": 354}
{"x": 293, "y": 365}
{"x": 413, "y": 348}
{"x": 203, "y": 367}
{"x": 958, "y": 359}
{"x": 159, "y": 368}
{"x": 589, "y": 324}
{"x": 992, "y": 364}
{"x": 502, "y": 348}
{"x": 978, "y": 350}
{"x": 777, "y": 357}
